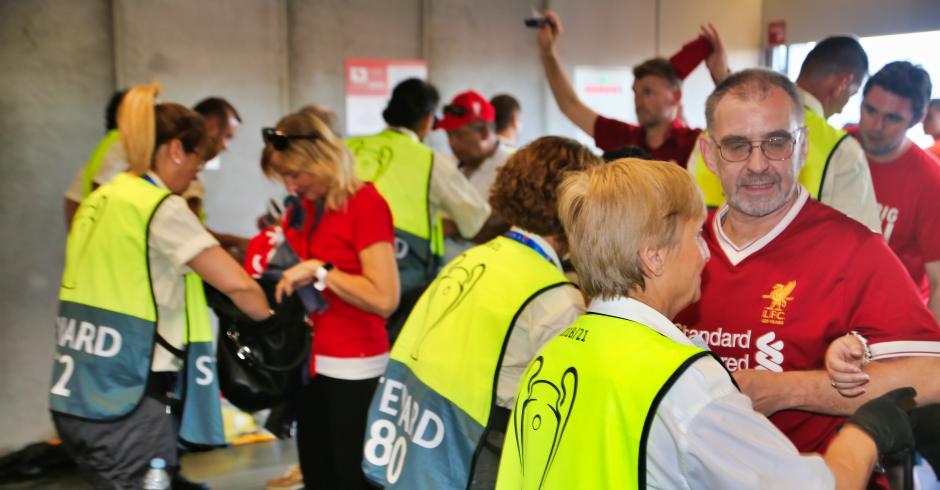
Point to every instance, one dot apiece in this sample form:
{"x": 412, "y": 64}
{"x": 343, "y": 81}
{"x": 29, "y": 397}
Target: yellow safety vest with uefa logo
{"x": 107, "y": 320}
{"x": 433, "y": 405}
{"x": 822, "y": 144}
{"x": 400, "y": 168}
{"x": 585, "y": 406}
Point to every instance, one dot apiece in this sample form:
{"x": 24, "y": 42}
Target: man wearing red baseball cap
{"x": 469, "y": 120}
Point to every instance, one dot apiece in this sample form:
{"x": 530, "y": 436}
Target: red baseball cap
{"x": 467, "y": 107}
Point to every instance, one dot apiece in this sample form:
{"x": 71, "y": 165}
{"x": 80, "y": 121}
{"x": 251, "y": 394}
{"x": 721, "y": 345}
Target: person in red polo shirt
{"x": 906, "y": 178}
{"x": 345, "y": 245}
{"x": 657, "y": 90}
{"x": 789, "y": 275}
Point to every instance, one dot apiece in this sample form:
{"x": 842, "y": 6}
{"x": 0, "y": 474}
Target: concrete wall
{"x": 236, "y": 49}
{"x": 58, "y": 75}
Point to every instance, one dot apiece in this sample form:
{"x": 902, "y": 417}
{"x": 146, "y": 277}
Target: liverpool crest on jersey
{"x": 780, "y": 297}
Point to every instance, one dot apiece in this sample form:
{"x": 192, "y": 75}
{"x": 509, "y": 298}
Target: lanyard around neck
{"x": 519, "y": 237}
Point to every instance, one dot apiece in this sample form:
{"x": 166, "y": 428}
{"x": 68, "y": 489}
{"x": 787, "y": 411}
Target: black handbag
{"x": 260, "y": 363}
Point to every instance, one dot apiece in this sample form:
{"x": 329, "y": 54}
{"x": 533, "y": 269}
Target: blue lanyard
{"x": 149, "y": 179}
{"x": 519, "y": 237}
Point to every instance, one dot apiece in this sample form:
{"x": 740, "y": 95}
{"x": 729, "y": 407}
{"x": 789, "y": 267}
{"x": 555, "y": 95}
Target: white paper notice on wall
{"x": 369, "y": 84}
{"x": 608, "y": 90}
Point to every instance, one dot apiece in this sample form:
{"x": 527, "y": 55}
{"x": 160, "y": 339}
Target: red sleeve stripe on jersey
{"x": 904, "y": 348}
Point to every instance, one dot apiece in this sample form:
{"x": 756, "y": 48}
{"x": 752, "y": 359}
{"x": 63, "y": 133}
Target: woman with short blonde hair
{"x": 611, "y": 212}
{"x": 623, "y": 399}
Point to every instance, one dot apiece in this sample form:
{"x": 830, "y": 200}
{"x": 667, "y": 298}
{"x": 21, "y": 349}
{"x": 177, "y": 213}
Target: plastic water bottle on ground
{"x": 157, "y": 478}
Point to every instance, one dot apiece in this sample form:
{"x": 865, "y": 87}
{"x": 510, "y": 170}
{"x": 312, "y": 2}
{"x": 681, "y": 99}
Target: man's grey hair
{"x": 752, "y": 84}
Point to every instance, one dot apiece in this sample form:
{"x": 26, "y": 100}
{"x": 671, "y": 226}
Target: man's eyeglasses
{"x": 775, "y": 148}
{"x": 455, "y": 110}
{"x": 280, "y": 140}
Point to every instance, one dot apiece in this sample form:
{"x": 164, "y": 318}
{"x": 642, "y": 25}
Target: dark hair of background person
{"x": 752, "y": 83}
{"x": 524, "y": 193}
{"x": 660, "y": 67}
{"x": 506, "y": 107}
{"x": 836, "y": 54}
{"x": 218, "y": 108}
{"x": 110, "y": 112}
{"x": 904, "y": 79}
{"x": 627, "y": 152}
{"x": 411, "y": 100}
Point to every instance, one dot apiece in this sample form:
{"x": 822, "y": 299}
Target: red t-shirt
{"x": 344, "y": 330}
{"x": 611, "y": 134}
{"x": 907, "y": 191}
{"x": 780, "y": 307}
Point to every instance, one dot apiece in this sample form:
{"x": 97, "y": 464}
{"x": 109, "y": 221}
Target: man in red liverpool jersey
{"x": 788, "y": 275}
{"x": 906, "y": 178}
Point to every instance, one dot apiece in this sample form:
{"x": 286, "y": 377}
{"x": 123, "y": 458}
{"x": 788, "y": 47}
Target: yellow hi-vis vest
{"x": 106, "y": 326}
{"x": 400, "y": 168}
{"x": 822, "y": 144}
{"x": 97, "y": 157}
{"x": 433, "y": 406}
{"x": 585, "y": 406}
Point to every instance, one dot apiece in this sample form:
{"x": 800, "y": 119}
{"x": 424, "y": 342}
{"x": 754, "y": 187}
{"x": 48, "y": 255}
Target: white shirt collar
{"x": 635, "y": 310}
{"x": 156, "y": 179}
{"x": 736, "y": 255}
{"x": 542, "y": 243}
{"x": 811, "y": 102}
{"x": 405, "y": 131}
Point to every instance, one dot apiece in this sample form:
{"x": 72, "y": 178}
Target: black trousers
{"x": 331, "y": 427}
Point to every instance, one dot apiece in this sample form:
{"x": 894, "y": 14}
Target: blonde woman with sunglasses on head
{"x": 345, "y": 245}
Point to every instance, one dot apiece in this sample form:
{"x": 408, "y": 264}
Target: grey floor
{"x": 243, "y": 467}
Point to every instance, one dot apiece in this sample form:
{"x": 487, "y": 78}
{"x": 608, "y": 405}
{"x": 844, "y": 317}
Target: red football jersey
{"x": 907, "y": 190}
{"x": 789, "y": 296}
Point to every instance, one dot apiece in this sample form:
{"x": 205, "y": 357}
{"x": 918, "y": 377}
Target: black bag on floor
{"x": 260, "y": 363}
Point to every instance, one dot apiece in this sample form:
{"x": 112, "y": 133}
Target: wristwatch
{"x": 320, "y": 275}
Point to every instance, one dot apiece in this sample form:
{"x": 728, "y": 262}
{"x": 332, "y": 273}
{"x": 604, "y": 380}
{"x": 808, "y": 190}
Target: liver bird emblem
{"x": 780, "y": 295}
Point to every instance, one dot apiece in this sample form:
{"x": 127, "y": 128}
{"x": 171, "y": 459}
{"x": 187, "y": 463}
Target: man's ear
{"x": 842, "y": 82}
{"x": 709, "y": 152}
{"x": 213, "y": 126}
{"x": 516, "y": 121}
{"x": 652, "y": 260}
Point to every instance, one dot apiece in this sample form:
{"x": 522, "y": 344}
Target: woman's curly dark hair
{"x": 525, "y": 191}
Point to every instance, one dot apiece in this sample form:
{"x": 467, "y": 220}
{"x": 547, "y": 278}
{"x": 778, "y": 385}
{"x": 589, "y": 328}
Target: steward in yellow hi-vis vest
{"x": 822, "y": 141}
{"x": 95, "y": 160}
{"x": 431, "y": 411}
{"x": 400, "y": 168}
{"x": 586, "y": 404}
{"x": 107, "y": 320}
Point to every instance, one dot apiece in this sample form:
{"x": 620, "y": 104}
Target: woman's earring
{"x": 179, "y": 161}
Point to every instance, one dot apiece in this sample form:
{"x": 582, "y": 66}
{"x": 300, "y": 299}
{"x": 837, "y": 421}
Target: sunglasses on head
{"x": 455, "y": 110}
{"x": 280, "y": 140}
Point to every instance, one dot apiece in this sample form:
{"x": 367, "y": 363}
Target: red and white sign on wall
{"x": 369, "y": 84}
{"x": 776, "y": 33}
